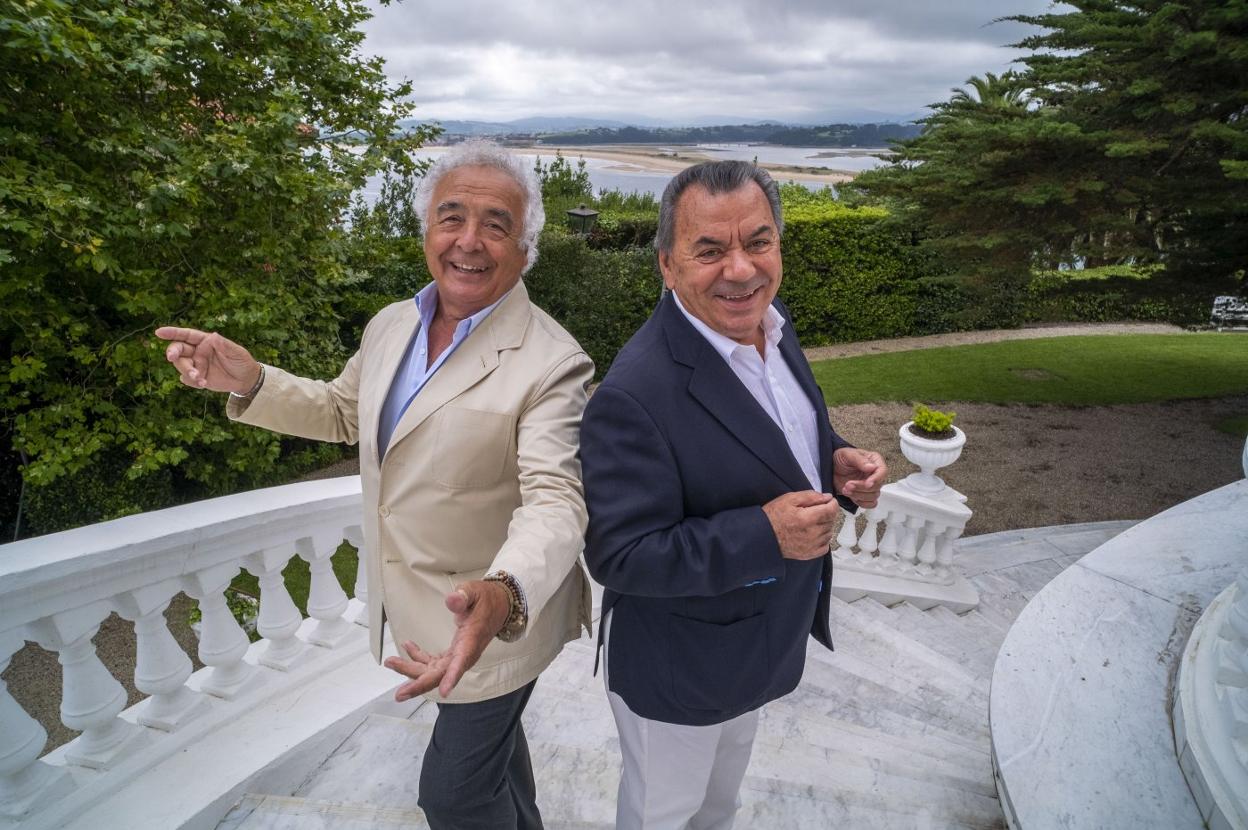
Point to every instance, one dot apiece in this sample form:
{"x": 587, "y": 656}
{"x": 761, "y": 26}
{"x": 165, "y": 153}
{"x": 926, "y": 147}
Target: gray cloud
{"x": 784, "y": 59}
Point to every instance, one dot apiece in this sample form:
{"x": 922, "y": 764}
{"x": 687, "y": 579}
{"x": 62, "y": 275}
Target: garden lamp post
{"x": 582, "y": 219}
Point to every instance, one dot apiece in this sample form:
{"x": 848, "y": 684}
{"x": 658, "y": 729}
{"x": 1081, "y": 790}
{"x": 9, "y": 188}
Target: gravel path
{"x": 967, "y": 338}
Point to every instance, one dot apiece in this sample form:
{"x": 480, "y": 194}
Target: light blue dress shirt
{"x": 415, "y": 370}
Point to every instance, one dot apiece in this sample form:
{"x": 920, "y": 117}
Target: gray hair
{"x": 481, "y": 153}
{"x": 716, "y": 177}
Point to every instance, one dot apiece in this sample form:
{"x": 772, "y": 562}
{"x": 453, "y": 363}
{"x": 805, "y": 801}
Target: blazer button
{"x": 383, "y": 511}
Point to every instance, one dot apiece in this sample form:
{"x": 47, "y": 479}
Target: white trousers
{"x": 679, "y": 777}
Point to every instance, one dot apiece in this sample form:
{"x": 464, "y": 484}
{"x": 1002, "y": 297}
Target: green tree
{"x": 166, "y": 162}
{"x": 1161, "y": 91}
{"x": 564, "y": 185}
{"x": 1122, "y": 141}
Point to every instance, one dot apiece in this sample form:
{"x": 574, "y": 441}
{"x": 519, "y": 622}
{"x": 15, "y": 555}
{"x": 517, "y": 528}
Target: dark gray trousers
{"x": 477, "y": 774}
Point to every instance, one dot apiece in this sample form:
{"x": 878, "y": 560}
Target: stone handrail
{"x": 902, "y": 550}
{"x": 1211, "y": 707}
{"x": 56, "y": 590}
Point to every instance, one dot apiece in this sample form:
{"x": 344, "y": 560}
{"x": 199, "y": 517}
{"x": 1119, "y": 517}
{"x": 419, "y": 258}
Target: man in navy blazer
{"x": 712, "y": 478}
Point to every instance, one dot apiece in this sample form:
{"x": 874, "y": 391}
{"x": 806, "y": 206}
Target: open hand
{"x": 481, "y": 609}
{"x": 858, "y": 475}
{"x": 206, "y": 360}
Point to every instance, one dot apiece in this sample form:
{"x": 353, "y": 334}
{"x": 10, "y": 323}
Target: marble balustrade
{"x": 56, "y": 590}
{"x": 902, "y": 550}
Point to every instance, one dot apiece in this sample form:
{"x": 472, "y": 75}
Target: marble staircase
{"x": 888, "y": 731}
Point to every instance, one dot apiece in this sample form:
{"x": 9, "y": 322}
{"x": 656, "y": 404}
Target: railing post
{"x": 909, "y": 551}
{"x": 222, "y": 641}
{"x": 888, "y": 544}
{"x": 91, "y": 698}
{"x": 24, "y": 779}
{"x": 279, "y": 618}
{"x": 357, "y": 608}
{"x": 161, "y": 667}
{"x": 326, "y": 600}
{"x": 846, "y": 538}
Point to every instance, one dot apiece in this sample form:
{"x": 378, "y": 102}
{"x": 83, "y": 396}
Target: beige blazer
{"x": 482, "y": 473}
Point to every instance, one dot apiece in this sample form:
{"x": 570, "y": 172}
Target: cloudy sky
{"x": 681, "y": 61}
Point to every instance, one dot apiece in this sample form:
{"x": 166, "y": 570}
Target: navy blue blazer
{"x": 708, "y": 620}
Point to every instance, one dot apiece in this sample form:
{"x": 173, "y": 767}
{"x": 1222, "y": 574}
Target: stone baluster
{"x": 91, "y": 698}
{"x": 944, "y": 555}
{"x": 327, "y": 602}
{"x": 846, "y": 538}
{"x": 357, "y": 607}
{"x": 25, "y": 781}
{"x": 908, "y": 550}
{"x": 889, "y": 543}
{"x": 869, "y": 542}
{"x": 222, "y": 641}
{"x": 927, "y": 550}
{"x": 161, "y": 667}
{"x": 279, "y": 618}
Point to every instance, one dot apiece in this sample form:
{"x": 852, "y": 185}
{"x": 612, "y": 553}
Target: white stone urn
{"x": 929, "y": 455}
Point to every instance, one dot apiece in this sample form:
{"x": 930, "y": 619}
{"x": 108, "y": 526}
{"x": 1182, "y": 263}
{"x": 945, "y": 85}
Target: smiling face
{"x": 725, "y": 259}
{"x": 472, "y": 243}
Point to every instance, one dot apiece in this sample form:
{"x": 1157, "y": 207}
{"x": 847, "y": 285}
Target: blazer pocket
{"x": 472, "y": 447}
{"x": 719, "y": 666}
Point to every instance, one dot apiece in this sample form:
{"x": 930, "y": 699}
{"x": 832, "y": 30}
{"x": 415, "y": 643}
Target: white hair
{"x": 482, "y": 153}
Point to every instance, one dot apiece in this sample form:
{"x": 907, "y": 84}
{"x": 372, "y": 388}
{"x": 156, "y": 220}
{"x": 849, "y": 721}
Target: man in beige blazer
{"x": 466, "y": 404}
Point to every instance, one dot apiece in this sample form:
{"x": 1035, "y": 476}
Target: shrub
{"x": 848, "y": 277}
{"x": 600, "y": 296}
{"x": 1121, "y": 292}
{"x": 933, "y": 422}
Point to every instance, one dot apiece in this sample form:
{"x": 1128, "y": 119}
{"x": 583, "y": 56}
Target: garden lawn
{"x": 1081, "y": 371}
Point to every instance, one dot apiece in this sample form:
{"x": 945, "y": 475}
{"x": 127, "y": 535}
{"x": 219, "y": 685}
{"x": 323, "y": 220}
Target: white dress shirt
{"x": 772, "y": 383}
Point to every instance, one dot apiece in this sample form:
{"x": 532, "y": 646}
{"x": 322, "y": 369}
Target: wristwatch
{"x": 518, "y": 619}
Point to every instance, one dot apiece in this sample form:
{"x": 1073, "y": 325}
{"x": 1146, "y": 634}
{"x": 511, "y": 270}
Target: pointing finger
{"x": 191, "y": 336}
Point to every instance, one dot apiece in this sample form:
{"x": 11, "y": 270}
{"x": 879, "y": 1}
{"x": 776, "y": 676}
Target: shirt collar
{"x": 773, "y": 331}
{"x": 427, "y": 306}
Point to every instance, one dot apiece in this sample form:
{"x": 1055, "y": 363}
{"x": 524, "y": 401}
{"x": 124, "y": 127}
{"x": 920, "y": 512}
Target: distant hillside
{"x": 830, "y": 135}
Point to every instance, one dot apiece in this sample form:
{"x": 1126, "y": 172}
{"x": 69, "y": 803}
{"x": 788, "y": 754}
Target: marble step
{"x": 856, "y": 626}
{"x": 1001, "y": 595}
{"x": 854, "y": 691}
{"x": 908, "y": 685}
{"x": 762, "y": 807}
{"x": 958, "y": 639}
{"x": 829, "y": 777}
{"x": 1030, "y": 577}
{"x": 377, "y": 765}
{"x": 817, "y": 740}
{"x": 1002, "y": 627}
{"x": 272, "y": 812}
{"x": 814, "y": 701}
{"x": 873, "y": 648}
{"x": 941, "y": 630}
{"x": 994, "y": 617}
{"x": 792, "y": 726}
{"x": 991, "y": 633}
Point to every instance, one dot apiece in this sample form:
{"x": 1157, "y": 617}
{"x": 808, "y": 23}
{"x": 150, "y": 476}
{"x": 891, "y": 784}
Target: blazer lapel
{"x": 714, "y": 385}
{"x": 475, "y": 358}
{"x": 391, "y": 348}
